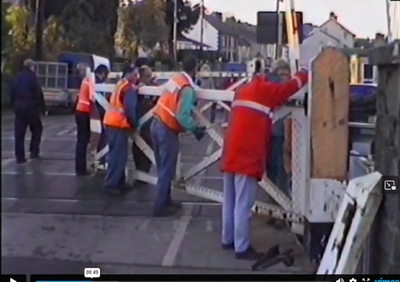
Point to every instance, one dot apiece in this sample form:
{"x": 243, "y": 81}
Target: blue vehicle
{"x": 61, "y": 80}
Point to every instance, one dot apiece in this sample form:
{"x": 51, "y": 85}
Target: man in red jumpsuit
{"x": 244, "y": 156}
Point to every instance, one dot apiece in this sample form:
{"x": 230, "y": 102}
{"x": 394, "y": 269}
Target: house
{"x": 330, "y": 33}
{"x": 210, "y": 36}
{"x": 250, "y": 48}
{"x": 234, "y": 41}
{"x": 334, "y": 28}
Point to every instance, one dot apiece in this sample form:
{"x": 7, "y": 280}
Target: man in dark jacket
{"x": 144, "y": 105}
{"x": 28, "y": 103}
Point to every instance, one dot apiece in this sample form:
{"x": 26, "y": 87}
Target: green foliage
{"x": 142, "y": 24}
{"x": 54, "y": 41}
{"x": 21, "y": 37}
{"x": 188, "y": 15}
{"x": 5, "y": 27}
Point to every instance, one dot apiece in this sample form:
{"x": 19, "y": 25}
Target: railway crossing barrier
{"x": 318, "y": 141}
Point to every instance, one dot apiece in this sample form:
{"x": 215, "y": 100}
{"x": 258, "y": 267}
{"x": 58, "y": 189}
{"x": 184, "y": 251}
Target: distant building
{"x": 330, "y": 33}
{"x": 234, "y": 41}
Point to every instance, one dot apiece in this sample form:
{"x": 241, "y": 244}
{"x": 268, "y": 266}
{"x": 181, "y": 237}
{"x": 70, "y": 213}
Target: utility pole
{"x": 39, "y": 29}
{"x": 175, "y": 30}
{"x": 279, "y": 44}
{"x": 202, "y": 26}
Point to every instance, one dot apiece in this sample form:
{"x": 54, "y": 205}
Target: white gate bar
{"x": 352, "y": 225}
{"x": 202, "y": 165}
{"x": 201, "y": 74}
{"x": 202, "y": 94}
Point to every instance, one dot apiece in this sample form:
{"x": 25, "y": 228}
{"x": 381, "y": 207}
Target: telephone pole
{"x": 202, "y": 26}
{"x": 39, "y": 12}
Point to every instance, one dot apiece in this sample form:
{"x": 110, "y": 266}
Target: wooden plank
{"x": 329, "y": 115}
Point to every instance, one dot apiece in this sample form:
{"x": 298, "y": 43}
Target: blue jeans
{"x": 117, "y": 157}
{"x": 166, "y": 150}
{"x": 275, "y": 166}
{"x": 239, "y": 198}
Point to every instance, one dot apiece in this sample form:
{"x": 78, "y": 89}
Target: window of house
{"x": 345, "y": 35}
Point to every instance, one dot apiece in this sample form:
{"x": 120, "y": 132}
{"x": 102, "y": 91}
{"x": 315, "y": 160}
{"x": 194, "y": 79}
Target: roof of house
{"x": 355, "y": 51}
{"x": 363, "y": 43}
{"x": 323, "y": 32}
{"x": 219, "y": 25}
{"x": 231, "y": 28}
{"x": 195, "y": 42}
{"x": 338, "y": 23}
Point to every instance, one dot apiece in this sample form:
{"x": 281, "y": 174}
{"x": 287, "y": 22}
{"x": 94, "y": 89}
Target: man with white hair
{"x": 28, "y": 103}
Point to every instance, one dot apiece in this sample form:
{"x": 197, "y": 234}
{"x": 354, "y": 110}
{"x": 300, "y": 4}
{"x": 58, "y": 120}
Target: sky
{"x": 363, "y": 17}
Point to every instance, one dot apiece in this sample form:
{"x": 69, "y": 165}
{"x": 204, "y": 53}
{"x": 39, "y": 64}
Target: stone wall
{"x": 385, "y": 243}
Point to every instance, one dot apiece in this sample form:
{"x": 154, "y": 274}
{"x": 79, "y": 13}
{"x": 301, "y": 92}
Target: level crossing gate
{"x": 318, "y": 141}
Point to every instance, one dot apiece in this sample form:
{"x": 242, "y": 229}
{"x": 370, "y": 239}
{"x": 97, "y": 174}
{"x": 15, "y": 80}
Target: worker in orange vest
{"x": 120, "y": 119}
{"x": 172, "y": 116}
{"x": 82, "y": 118}
{"x": 245, "y": 150}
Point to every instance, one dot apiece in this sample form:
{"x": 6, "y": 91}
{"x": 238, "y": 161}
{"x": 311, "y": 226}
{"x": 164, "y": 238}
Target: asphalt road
{"x": 54, "y": 222}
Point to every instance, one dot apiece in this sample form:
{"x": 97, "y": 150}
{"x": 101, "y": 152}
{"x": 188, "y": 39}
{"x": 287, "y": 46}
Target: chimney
{"x": 379, "y": 40}
{"x": 332, "y": 16}
{"x": 218, "y": 15}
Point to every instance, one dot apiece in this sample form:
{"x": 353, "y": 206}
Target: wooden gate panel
{"x": 329, "y": 114}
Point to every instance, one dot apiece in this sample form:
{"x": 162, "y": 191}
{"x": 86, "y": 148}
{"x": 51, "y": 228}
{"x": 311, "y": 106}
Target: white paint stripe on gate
{"x": 200, "y": 176}
{"x": 175, "y": 245}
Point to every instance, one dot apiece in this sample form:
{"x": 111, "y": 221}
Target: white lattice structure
{"x": 290, "y": 210}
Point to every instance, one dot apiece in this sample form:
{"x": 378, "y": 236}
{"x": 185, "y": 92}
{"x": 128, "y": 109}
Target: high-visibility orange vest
{"x": 167, "y": 104}
{"x": 115, "y": 115}
{"x": 84, "y": 96}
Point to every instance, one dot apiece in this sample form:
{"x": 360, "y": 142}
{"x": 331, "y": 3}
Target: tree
{"x": 142, "y": 24}
{"x": 89, "y": 25}
{"x": 21, "y": 40}
{"x": 54, "y": 41}
{"x": 188, "y": 16}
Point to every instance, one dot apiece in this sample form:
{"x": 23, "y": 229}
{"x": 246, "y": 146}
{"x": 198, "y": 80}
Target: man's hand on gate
{"x": 199, "y": 132}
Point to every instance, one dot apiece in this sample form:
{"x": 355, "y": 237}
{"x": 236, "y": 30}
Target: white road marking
{"x": 176, "y": 242}
{"x": 64, "y": 132}
{"x": 144, "y": 224}
{"x": 35, "y": 173}
{"x": 64, "y": 139}
{"x": 209, "y": 227}
{"x": 6, "y": 162}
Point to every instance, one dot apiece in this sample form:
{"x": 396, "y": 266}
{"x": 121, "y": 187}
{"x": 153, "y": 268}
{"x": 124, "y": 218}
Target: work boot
{"x": 165, "y": 212}
{"x": 175, "y": 205}
{"x": 82, "y": 173}
{"x": 22, "y": 161}
{"x": 228, "y": 247}
{"x": 113, "y": 191}
{"x": 249, "y": 254}
{"x": 35, "y": 156}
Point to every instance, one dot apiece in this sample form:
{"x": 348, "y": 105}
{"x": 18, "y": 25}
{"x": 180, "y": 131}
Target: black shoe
{"x": 21, "y": 161}
{"x": 228, "y": 247}
{"x": 165, "y": 212}
{"x": 127, "y": 187}
{"x": 113, "y": 191}
{"x": 35, "y": 156}
{"x": 175, "y": 205}
{"x": 250, "y": 254}
{"x": 83, "y": 173}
